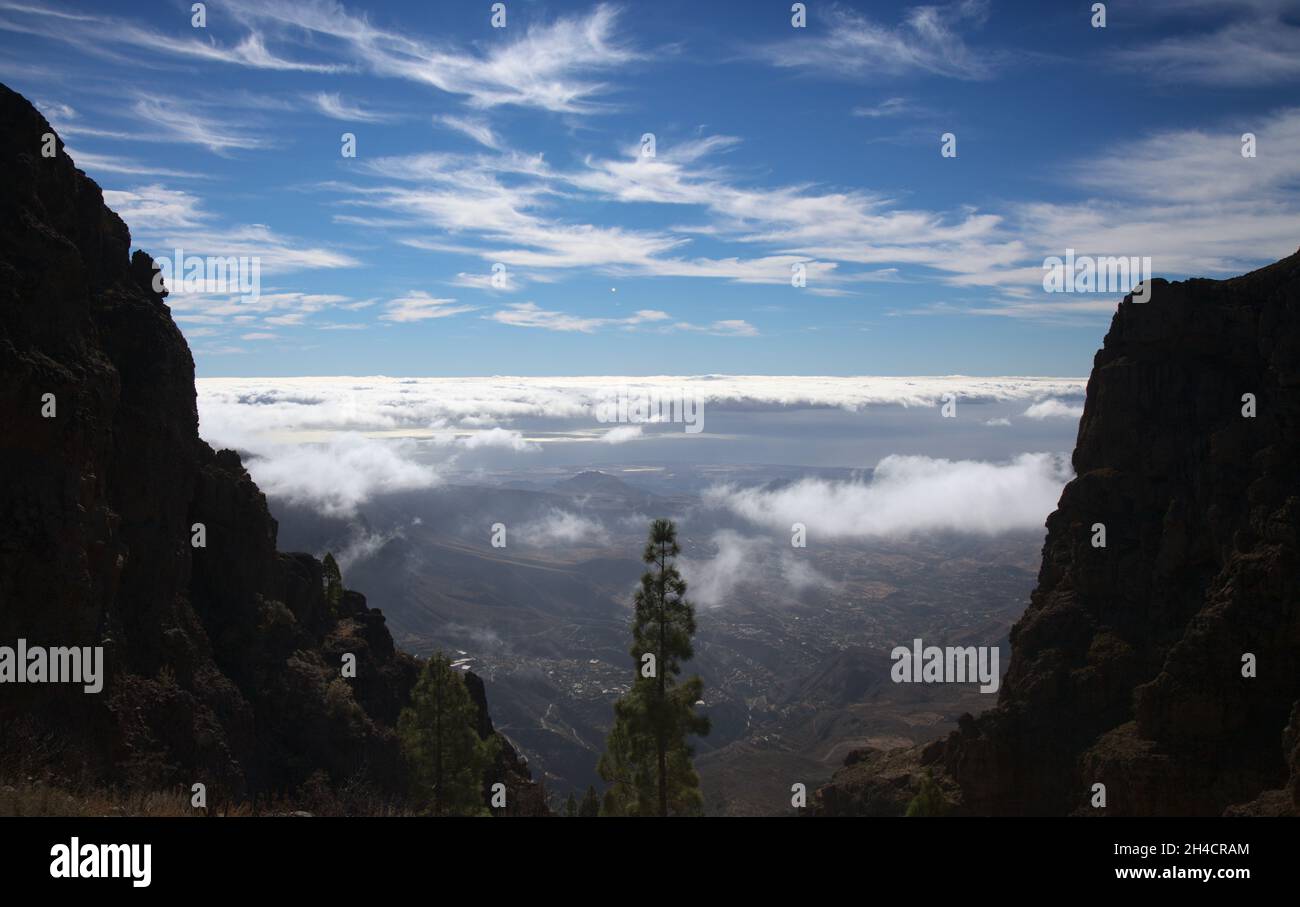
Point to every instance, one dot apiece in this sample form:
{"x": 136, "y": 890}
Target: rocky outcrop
{"x": 223, "y": 662}
{"x": 1127, "y": 668}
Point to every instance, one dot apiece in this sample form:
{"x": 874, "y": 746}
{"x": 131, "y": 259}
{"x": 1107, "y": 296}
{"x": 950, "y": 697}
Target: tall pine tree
{"x": 647, "y": 759}
{"x": 446, "y": 757}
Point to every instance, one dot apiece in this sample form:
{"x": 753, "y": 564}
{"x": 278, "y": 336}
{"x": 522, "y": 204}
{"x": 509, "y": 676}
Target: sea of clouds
{"x": 333, "y": 443}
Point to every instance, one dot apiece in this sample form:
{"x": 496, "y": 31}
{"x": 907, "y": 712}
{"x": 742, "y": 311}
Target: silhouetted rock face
{"x": 1126, "y": 667}
{"x": 223, "y": 662}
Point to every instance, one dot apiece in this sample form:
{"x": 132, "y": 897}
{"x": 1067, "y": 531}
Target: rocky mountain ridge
{"x": 1129, "y": 666}
{"x": 223, "y": 661}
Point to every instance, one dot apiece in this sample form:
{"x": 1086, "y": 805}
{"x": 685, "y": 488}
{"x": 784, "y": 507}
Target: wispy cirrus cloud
{"x": 1243, "y": 44}
{"x": 842, "y": 42}
{"x": 157, "y": 206}
{"x": 548, "y": 66}
{"x": 891, "y": 107}
{"x": 165, "y": 220}
{"x": 192, "y": 127}
{"x": 420, "y": 306}
{"x": 332, "y": 105}
{"x": 99, "y": 34}
{"x": 477, "y": 129}
{"x": 108, "y": 163}
{"x": 530, "y": 315}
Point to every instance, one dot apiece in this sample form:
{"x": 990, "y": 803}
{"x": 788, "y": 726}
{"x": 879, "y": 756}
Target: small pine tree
{"x": 571, "y": 806}
{"x": 647, "y": 758}
{"x": 590, "y": 807}
{"x": 929, "y": 800}
{"x": 441, "y": 745}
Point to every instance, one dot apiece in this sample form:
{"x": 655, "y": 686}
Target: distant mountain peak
{"x": 593, "y": 481}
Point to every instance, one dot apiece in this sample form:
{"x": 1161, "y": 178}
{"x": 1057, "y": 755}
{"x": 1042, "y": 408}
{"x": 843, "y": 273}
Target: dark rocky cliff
{"x": 1126, "y": 668}
{"x": 223, "y": 662}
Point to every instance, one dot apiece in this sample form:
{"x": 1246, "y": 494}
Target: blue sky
{"x": 773, "y": 146}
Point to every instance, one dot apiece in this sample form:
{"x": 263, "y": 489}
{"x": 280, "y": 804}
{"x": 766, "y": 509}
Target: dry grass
{"x": 38, "y": 798}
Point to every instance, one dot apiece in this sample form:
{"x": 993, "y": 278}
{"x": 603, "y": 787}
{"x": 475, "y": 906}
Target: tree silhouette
{"x": 647, "y": 759}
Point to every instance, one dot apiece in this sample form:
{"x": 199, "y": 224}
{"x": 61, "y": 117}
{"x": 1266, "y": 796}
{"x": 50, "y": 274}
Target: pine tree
{"x": 647, "y": 759}
{"x": 590, "y": 807}
{"x": 333, "y": 583}
{"x": 929, "y": 799}
{"x": 442, "y": 747}
{"x": 571, "y": 806}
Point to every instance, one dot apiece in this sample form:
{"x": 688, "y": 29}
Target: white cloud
{"x": 94, "y": 163}
{"x": 927, "y": 41}
{"x": 530, "y": 315}
{"x": 1053, "y": 409}
{"x": 363, "y": 545}
{"x": 95, "y": 33}
{"x": 338, "y": 475}
{"x": 621, "y": 434}
{"x": 333, "y": 442}
{"x": 314, "y": 407}
{"x": 1259, "y": 45}
{"x": 497, "y": 437}
{"x": 739, "y": 561}
{"x": 163, "y": 220}
{"x": 734, "y": 327}
{"x": 712, "y": 582}
{"x": 187, "y": 125}
{"x": 332, "y": 105}
{"x": 892, "y": 107}
{"x": 1200, "y": 166}
{"x": 561, "y": 527}
{"x": 543, "y": 66}
{"x": 278, "y": 253}
{"x": 157, "y": 206}
{"x": 420, "y": 306}
{"x": 476, "y": 129}
{"x": 506, "y": 282}
{"x": 910, "y": 494}
{"x": 1205, "y": 209}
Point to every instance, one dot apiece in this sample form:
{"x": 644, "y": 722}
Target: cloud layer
{"x": 909, "y": 495}
{"x": 234, "y": 408}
